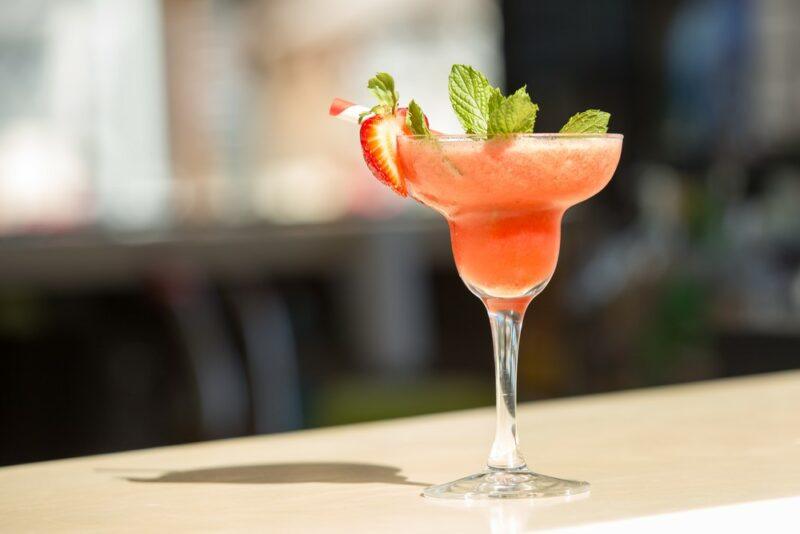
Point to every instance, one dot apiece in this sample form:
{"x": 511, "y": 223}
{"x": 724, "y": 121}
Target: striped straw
{"x": 346, "y": 111}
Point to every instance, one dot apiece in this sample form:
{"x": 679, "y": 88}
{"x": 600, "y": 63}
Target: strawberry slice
{"x": 379, "y": 145}
{"x": 379, "y": 132}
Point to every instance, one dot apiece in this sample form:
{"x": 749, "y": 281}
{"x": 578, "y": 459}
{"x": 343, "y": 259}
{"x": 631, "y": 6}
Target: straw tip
{"x": 338, "y": 106}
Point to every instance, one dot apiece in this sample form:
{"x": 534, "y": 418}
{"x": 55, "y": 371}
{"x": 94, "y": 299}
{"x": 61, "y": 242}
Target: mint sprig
{"x": 382, "y": 86}
{"x": 482, "y": 109}
{"x": 415, "y": 120}
{"x": 587, "y": 122}
{"x": 470, "y": 93}
{"x": 513, "y": 114}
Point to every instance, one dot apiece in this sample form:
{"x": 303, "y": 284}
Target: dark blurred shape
{"x": 706, "y": 53}
{"x": 88, "y": 375}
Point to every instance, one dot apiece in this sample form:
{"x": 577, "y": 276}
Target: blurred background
{"x": 191, "y": 249}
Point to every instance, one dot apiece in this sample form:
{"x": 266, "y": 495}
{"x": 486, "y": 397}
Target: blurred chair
{"x": 271, "y": 360}
{"x": 244, "y": 363}
{"x": 217, "y": 368}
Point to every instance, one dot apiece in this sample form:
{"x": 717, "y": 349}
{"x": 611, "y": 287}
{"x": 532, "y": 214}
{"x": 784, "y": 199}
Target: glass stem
{"x": 506, "y": 327}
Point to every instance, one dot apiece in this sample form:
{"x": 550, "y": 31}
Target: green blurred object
{"x": 361, "y": 398}
{"x": 21, "y": 314}
{"x": 677, "y": 331}
{"x": 704, "y": 213}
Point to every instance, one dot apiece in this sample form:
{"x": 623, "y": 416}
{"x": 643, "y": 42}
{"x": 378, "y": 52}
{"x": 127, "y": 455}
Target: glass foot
{"x": 501, "y": 484}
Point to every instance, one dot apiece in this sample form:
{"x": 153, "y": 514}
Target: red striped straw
{"x": 346, "y": 111}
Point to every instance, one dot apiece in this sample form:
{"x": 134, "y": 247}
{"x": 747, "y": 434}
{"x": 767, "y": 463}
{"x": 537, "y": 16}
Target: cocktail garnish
{"x": 380, "y": 127}
{"x": 587, "y": 122}
{"x": 416, "y": 121}
{"x": 482, "y": 109}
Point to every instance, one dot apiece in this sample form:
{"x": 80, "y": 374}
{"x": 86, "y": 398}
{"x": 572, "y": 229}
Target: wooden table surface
{"x": 646, "y": 452}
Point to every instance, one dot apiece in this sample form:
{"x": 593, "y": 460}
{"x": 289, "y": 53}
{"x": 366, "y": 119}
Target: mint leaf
{"x": 482, "y": 109}
{"x": 514, "y": 114}
{"x": 375, "y": 110}
{"x": 470, "y": 93}
{"x": 415, "y": 120}
{"x": 495, "y": 100}
{"x": 382, "y": 86}
{"x": 589, "y": 121}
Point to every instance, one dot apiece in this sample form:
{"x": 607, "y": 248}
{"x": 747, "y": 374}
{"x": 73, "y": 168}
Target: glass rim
{"x": 529, "y": 135}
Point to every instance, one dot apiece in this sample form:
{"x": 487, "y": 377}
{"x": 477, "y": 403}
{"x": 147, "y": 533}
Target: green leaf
{"x": 377, "y": 109}
{"x": 382, "y": 86}
{"x": 589, "y": 121}
{"x": 415, "y": 120}
{"x": 514, "y": 114}
{"x": 470, "y": 93}
{"x": 495, "y": 100}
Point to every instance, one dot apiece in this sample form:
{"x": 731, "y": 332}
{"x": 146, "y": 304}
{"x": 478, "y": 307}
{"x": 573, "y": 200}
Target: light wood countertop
{"x": 646, "y": 452}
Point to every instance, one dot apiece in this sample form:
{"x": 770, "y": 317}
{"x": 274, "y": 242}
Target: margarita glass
{"x": 504, "y": 198}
